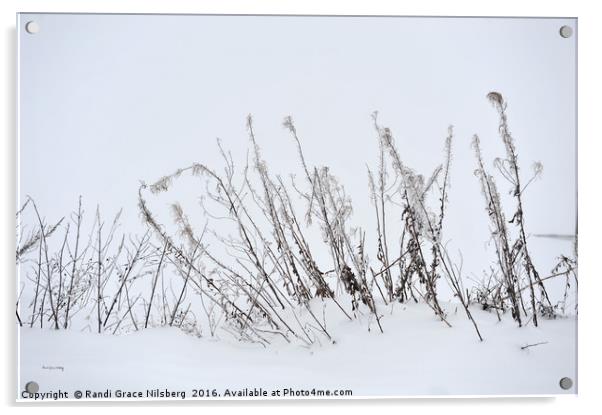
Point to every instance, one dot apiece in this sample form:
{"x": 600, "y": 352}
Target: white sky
{"x": 109, "y": 100}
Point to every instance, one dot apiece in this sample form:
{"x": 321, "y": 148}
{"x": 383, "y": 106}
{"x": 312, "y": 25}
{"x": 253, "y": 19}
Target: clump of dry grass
{"x": 516, "y": 271}
{"x": 263, "y": 281}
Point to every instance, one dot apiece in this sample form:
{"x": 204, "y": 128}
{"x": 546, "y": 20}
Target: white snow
{"x": 416, "y": 355}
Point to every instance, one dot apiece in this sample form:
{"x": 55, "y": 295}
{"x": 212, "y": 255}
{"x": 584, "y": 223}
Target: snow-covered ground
{"x": 416, "y": 355}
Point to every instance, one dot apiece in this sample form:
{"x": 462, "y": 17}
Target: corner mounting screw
{"x": 566, "y": 31}
{"x": 566, "y": 383}
{"x": 32, "y": 387}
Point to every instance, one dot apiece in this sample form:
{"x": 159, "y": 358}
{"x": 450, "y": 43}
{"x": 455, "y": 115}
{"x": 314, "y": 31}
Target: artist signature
{"x": 61, "y": 368}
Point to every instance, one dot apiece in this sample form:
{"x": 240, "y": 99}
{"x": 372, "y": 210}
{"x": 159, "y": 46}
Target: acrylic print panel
{"x": 296, "y": 206}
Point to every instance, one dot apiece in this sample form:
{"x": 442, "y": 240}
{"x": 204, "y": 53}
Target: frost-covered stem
{"x": 337, "y": 254}
{"x": 307, "y": 261}
{"x": 130, "y": 306}
{"x": 385, "y": 272}
{"x": 504, "y": 131}
{"x": 443, "y": 200}
{"x": 455, "y": 282}
{"x": 500, "y": 233}
{"x": 428, "y": 281}
{"x": 154, "y": 286}
{"x": 37, "y": 291}
{"x": 18, "y": 316}
{"x": 130, "y": 266}
{"x": 181, "y": 296}
{"x": 60, "y": 289}
{"x": 231, "y": 199}
{"x": 270, "y": 211}
{"x": 439, "y": 251}
{"x": 382, "y": 234}
{"x": 411, "y": 219}
{"x": 128, "y": 311}
{"x": 74, "y": 264}
{"x": 48, "y": 267}
{"x": 157, "y": 228}
{"x": 99, "y": 272}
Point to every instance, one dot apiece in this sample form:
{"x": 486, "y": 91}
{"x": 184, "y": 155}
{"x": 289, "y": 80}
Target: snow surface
{"x": 416, "y": 355}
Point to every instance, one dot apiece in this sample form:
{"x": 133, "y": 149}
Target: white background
{"x": 109, "y": 100}
{"x": 589, "y": 36}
